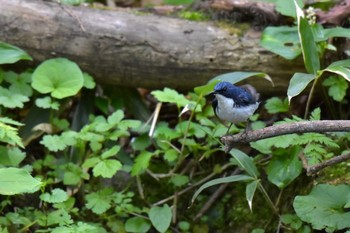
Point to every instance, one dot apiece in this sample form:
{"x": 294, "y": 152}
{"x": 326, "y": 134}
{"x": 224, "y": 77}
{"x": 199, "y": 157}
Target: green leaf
{"x": 308, "y": 44}
{"x": 10, "y": 54}
{"x": 276, "y": 105}
{"x": 206, "y": 89}
{"x": 116, "y": 117}
{"x": 73, "y": 174}
{"x": 137, "y": 225}
{"x": 292, "y": 220}
{"x": 141, "y": 163}
{"x": 110, "y": 152}
{"x": 160, "y": 217}
{"x": 57, "y": 195}
{"x": 89, "y": 82}
{"x": 179, "y": 180}
{"x": 250, "y": 191}
{"x": 53, "y": 143}
{"x": 287, "y": 7}
{"x": 324, "y": 207}
{"x": 141, "y": 142}
{"x": 11, "y": 156}
{"x": 100, "y": 201}
{"x": 315, "y": 115}
{"x": 170, "y": 96}
{"x": 107, "y": 168}
{"x": 12, "y": 100}
{"x": 337, "y": 87}
{"x": 245, "y": 162}
{"x": 228, "y": 179}
{"x": 336, "y": 32}
{"x": 298, "y": 83}
{"x": 235, "y": 77}
{"x": 59, "y": 76}
{"x": 284, "y": 167}
{"x": 15, "y": 181}
{"x": 46, "y": 103}
{"x": 340, "y": 70}
{"x": 282, "y": 40}
{"x": 171, "y": 155}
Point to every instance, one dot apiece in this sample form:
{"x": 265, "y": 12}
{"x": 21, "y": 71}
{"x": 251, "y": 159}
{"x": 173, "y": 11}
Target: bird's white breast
{"x": 226, "y": 112}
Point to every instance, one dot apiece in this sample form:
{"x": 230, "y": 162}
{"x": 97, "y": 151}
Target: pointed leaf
{"x": 10, "y": 54}
{"x": 340, "y": 70}
{"x": 250, "y": 191}
{"x": 245, "y": 162}
{"x": 298, "y": 83}
{"x": 223, "y": 180}
{"x": 235, "y": 77}
{"x": 307, "y": 41}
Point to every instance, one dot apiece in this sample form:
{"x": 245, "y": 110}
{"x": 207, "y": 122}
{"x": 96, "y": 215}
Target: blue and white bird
{"x": 234, "y": 104}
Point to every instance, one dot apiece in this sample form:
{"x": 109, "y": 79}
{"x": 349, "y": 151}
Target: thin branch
{"x": 283, "y": 129}
{"x": 335, "y": 160}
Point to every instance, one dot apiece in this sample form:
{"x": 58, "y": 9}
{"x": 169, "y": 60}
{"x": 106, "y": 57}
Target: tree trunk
{"x": 127, "y": 48}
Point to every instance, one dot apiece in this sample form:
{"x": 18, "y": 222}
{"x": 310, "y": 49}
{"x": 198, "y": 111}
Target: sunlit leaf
{"x": 141, "y": 163}
{"x": 15, "y": 180}
{"x": 107, "y": 168}
{"x": 57, "y": 195}
{"x": 100, "y": 201}
{"x": 276, "y": 105}
{"x": 170, "y": 96}
{"x": 10, "y": 54}
{"x": 58, "y": 76}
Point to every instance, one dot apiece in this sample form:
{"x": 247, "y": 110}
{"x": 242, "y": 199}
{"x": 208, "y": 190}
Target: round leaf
{"x": 160, "y": 217}
{"x": 59, "y": 76}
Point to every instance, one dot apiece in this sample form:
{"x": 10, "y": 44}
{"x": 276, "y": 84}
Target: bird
{"x": 234, "y": 104}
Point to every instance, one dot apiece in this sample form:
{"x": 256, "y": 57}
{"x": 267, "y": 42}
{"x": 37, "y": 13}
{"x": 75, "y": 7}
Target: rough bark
{"x": 127, "y": 48}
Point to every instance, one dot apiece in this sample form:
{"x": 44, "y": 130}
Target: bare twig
{"x": 335, "y": 160}
{"x": 283, "y": 129}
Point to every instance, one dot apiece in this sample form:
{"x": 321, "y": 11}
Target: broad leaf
{"x": 12, "y": 100}
{"x": 14, "y": 181}
{"x": 137, "y": 225}
{"x": 337, "y": 87}
{"x": 287, "y": 7}
{"x": 284, "y": 167}
{"x": 160, "y": 217}
{"x": 107, "y": 168}
{"x": 57, "y": 195}
{"x": 325, "y": 207}
{"x": 171, "y": 96}
{"x": 10, "y": 54}
{"x": 59, "y": 76}
{"x": 283, "y": 41}
{"x": 99, "y": 202}
{"x": 223, "y": 180}
{"x": 276, "y": 105}
{"x": 340, "y": 70}
{"x": 11, "y": 156}
{"x": 235, "y": 77}
{"x": 298, "y": 83}
{"x": 337, "y": 32}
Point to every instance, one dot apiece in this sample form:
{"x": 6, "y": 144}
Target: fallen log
{"x": 127, "y": 48}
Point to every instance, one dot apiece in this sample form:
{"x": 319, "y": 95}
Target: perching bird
{"x": 234, "y": 104}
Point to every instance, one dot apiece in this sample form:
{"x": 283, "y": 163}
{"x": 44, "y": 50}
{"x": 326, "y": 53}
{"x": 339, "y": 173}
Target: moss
{"x": 233, "y": 28}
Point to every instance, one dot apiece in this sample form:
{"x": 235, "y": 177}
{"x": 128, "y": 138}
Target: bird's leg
{"x": 229, "y": 128}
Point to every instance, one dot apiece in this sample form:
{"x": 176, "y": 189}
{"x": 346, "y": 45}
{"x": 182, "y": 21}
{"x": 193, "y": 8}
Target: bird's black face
{"x": 222, "y": 88}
